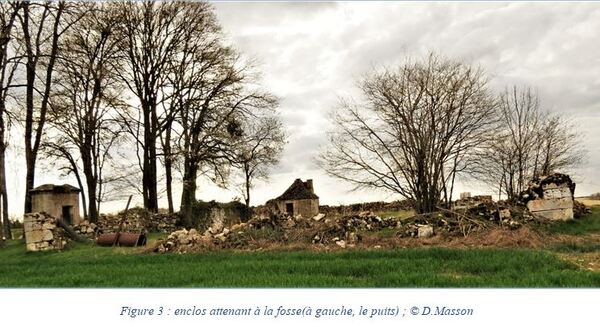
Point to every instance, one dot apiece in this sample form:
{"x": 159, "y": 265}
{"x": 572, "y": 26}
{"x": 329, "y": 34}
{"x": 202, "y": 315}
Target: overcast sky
{"x": 311, "y": 54}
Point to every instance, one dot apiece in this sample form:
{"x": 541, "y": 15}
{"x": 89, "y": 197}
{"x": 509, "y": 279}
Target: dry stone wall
{"x": 41, "y": 232}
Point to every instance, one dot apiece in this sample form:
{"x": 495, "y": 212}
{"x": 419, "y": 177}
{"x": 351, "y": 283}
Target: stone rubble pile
{"x": 41, "y": 232}
{"x": 86, "y": 229}
{"x": 580, "y": 209}
{"x": 332, "y": 229}
{"x": 345, "y": 231}
{"x": 368, "y": 206}
{"x": 342, "y": 232}
{"x": 182, "y": 241}
{"x": 367, "y": 220}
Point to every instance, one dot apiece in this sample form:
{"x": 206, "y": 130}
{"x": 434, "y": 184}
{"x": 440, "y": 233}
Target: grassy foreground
{"x": 88, "y": 266}
{"x": 560, "y": 264}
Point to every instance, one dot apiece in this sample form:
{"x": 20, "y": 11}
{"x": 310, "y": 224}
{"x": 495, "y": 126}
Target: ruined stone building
{"x": 299, "y": 199}
{"x": 551, "y": 197}
{"x": 59, "y": 201}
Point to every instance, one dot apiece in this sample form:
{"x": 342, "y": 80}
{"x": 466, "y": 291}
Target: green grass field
{"x": 88, "y": 266}
{"x": 556, "y": 265}
{"x": 585, "y": 225}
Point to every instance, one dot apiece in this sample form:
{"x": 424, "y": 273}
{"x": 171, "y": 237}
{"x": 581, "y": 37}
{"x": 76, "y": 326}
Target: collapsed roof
{"x": 299, "y": 190}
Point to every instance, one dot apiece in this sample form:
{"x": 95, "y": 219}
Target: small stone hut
{"x": 299, "y": 199}
{"x": 59, "y": 201}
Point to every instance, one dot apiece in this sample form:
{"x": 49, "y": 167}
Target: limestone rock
{"x": 425, "y": 231}
{"x": 47, "y": 235}
{"x": 504, "y": 214}
{"x": 319, "y": 217}
{"x": 341, "y": 243}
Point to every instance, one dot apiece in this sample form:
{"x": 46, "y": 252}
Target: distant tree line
{"x": 94, "y": 85}
{"x": 417, "y": 127}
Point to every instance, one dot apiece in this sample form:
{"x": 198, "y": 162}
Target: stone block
{"x": 318, "y": 217}
{"x": 558, "y": 214}
{"x": 31, "y": 247}
{"x": 27, "y": 225}
{"x": 425, "y": 231}
{"x": 504, "y": 214}
{"x": 43, "y": 246}
{"x": 557, "y": 193}
{"x": 341, "y": 244}
{"x": 549, "y": 204}
{"x": 48, "y": 225}
{"x": 34, "y": 236}
{"x": 47, "y": 235}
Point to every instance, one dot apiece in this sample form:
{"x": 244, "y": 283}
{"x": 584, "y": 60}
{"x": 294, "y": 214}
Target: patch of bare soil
{"x": 587, "y": 261}
{"x": 523, "y": 237}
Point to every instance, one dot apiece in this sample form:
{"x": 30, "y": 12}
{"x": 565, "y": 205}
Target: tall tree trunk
{"x": 30, "y": 156}
{"x": 29, "y": 178}
{"x": 92, "y": 208}
{"x": 149, "y": 178}
{"x": 188, "y": 194}
{"x": 146, "y": 160}
{"x": 5, "y": 37}
{"x": 83, "y": 200}
{"x": 168, "y": 165}
{"x": 5, "y": 221}
{"x": 247, "y": 191}
{"x": 75, "y": 170}
{"x": 31, "y": 149}
{"x": 91, "y": 180}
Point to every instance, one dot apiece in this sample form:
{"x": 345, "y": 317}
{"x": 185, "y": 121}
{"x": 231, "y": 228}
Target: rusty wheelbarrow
{"x": 120, "y": 238}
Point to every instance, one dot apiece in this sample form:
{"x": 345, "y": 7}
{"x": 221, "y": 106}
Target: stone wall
{"x": 137, "y": 220}
{"x": 41, "y": 232}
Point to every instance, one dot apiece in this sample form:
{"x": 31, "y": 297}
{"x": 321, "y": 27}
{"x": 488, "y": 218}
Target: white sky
{"x": 311, "y": 53}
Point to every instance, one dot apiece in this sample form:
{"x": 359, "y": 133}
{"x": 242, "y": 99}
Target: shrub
{"x": 14, "y": 223}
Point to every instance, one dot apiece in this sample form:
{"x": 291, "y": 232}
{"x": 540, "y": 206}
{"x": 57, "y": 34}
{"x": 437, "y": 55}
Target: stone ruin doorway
{"x": 67, "y": 214}
{"x": 289, "y": 208}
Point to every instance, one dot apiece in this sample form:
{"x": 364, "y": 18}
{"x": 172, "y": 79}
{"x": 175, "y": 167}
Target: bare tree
{"x": 414, "y": 131}
{"x": 60, "y": 152}
{"x": 206, "y": 95}
{"x": 42, "y": 24}
{"x": 8, "y": 13}
{"x": 259, "y": 150}
{"x": 210, "y": 113}
{"x": 86, "y": 95}
{"x": 530, "y": 143}
{"x": 559, "y": 146}
{"x": 152, "y": 34}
